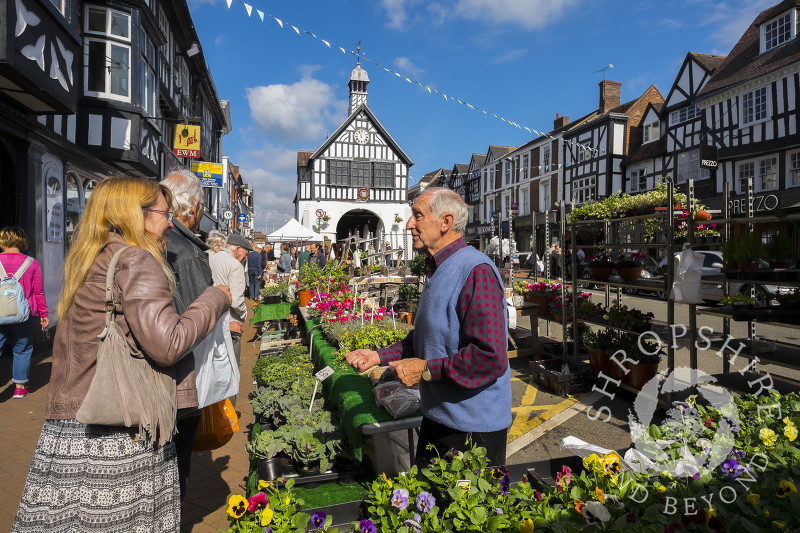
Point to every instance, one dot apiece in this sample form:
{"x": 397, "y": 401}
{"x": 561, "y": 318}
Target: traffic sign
{"x": 242, "y": 217}
{"x": 227, "y": 214}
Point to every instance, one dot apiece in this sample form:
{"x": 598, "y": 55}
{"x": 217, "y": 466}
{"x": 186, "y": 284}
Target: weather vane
{"x": 603, "y": 70}
{"x": 358, "y": 53}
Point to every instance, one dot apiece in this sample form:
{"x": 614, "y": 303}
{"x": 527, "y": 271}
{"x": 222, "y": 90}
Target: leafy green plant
{"x": 267, "y": 445}
{"x": 308, "y": 448}
{"x": 730, "y": 250}
{"x": 370, "y": 336}
{"x": 750, "y": 247}
{"x": 266, "y": 403}
{"x": 737, "y": 299}
{"x": 779, "y": 246}
{"x": 418, "y": 266}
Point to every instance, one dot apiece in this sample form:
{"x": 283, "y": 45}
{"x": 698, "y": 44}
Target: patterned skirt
{"x": 96, "y": 478}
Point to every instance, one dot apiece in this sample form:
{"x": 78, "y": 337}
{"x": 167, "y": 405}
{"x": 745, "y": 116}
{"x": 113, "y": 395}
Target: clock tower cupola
{"x": 358, "y": 84}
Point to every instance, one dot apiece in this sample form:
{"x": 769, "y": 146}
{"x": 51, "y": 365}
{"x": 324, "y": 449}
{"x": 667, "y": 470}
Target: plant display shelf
{"x": 642, "y": 285}
{"x": 653, "y": 325}
{"x": 737, "y": 382}
{"x": 787, "y": 277}
{"x": 727, "y": 315}
{"x": 785, "y": 355}
{"x": 665, "y": 214}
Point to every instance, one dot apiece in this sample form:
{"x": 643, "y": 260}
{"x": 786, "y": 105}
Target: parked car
{"x": 712, "y": 290}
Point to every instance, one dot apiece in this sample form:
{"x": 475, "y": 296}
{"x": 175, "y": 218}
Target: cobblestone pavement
{"x": 215, "y": 474}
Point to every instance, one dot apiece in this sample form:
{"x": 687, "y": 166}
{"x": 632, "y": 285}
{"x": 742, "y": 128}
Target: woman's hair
{"x": 116, "y": 205}
{"x": 216, "y": 238}
{"x": 284, "y": 247}
{"x": 13, "y": 237}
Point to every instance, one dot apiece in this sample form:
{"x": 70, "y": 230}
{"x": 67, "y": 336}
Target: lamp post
{"x": 513, "y": 210}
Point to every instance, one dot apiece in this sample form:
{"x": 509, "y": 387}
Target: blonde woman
{"x": 92, "y": 477}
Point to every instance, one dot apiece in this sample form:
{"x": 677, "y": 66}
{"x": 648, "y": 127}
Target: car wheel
{"x": 586, "y": 284}
{"x": 761, "y": 295}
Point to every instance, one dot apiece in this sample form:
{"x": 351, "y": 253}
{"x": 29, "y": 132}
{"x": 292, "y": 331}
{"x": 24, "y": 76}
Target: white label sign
{"x": 227, "y": 214}
{"x": 325, "y": 373}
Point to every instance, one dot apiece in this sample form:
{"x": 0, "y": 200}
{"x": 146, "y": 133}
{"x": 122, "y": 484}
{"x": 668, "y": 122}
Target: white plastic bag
{"x": 686, "y": 288}
{"x": 215, "y": 368}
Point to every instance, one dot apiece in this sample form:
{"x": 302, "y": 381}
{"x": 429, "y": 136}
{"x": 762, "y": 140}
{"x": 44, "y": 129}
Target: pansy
{"x": 414, "y": 524}
{"x": 732, "y": 469}
{"x": 768, "y": 436}
{"x": 266, "y": 516}
{"x": 237, "y": 505}
{"x": 318, "y": 519}
{"x": 264, "y": 484}
{"x": 400, "y": 498}
{"x": 526, "y": 526}
{"x": 256, "y": 501}
{"x": 366, "y": 526}
{"x": 752, "y": 498}
{"x": 595, "y": 513}
{"x": 790, "y": 432}
{"x": 505, "y": 484}
{"x": 600, "y": 496}
{"x": 425, "y": 502}
{"x": 611, "y": 463}
{"x": 785, "y": 487}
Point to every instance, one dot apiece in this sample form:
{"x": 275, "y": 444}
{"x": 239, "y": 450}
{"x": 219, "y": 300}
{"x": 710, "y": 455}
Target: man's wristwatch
{"x": 426, "y": 374}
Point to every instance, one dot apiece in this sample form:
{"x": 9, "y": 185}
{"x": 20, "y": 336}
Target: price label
{"x": 325, "y": 373}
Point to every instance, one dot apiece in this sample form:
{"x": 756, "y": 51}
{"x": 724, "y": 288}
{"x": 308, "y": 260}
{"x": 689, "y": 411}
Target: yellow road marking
{"x": 522, "y": 414}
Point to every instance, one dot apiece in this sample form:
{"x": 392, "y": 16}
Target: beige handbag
{"x": 128, "y": 389}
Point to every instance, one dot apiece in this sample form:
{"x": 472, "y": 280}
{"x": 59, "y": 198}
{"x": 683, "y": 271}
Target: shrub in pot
{"x": 646, "y": 354}
{"x": 730, "y": 253}
{"x": 778, "y": 249}
{"x": 265, "y": 447}
{"x": 750, "y": 249}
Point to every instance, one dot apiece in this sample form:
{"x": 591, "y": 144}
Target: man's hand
{"x": 235, "y": 326}
{"x": 363, "y": 359}
{"x": 409, "y": 370}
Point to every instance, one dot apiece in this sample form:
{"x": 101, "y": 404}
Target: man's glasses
{"x": 167, "y": 214}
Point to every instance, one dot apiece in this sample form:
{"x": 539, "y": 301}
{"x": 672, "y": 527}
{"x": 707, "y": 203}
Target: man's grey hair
{"x": 447, "y": 201}
{"x": 186, "y": 189}
{"x": 216, "y": 237}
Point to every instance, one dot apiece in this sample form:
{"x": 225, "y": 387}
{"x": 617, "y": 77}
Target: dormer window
{"x": 778, "y": 30}
{"x": 651, "y": 132}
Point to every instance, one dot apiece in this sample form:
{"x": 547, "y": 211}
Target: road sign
{"x": 320, "y": 213}
{"x": 227, "y": 214}
{"x": 242, "y": 217}
{"x": 210, "y": 174}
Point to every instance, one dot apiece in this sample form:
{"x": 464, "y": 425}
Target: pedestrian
{"x": 293, "y": 252}
{"x": 270, "y": 253}
{"x": 226, "y": 269}
{"x": 215, "y": 241}
{"x": 317, "y": 255}
{"x": 285, "y": 261}
{"x": 387, "y": 254}
{"x": 188, "y": 258}
{"x": 303, "y": 257}
{"x": 457, "y": 352}
{"x": 101, "y": 478}
{"x": 13, "y": 243}
{"x": 254, "y": 272}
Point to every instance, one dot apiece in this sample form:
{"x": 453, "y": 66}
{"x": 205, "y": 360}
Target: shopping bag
{"x": 215, "y": 368}
{"x": 218, "y": 423}
{"x": 686, "y": 288}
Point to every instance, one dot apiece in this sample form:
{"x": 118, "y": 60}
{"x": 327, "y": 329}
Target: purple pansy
{"x": 366, "y": 526}
{"x": 425, "y": 502}
{"x": 318, "y": 519}
{"x": 400, "y": 498}
{"x": 505, "y": 484}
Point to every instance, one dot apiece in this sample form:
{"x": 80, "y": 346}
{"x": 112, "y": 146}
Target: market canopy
{"x": 294, "y": 231}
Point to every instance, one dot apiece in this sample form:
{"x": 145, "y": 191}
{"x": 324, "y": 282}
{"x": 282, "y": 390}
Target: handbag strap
{"x": 110, "y": 290}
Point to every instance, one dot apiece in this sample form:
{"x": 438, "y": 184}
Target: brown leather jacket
{"x": 145, "y": 313}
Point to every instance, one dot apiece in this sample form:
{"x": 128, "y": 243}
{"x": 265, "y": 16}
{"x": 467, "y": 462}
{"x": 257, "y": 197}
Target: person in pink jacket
{"x": 13, "y": 243}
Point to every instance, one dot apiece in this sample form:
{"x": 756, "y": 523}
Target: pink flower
{"x": 257, "y": 501}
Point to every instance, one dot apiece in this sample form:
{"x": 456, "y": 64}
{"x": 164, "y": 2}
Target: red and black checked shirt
{"x": 482, "y": 355}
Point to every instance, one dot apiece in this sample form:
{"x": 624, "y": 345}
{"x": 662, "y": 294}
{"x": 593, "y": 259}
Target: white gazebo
{"x": 294, "y": 231}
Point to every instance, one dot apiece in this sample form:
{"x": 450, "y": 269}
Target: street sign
{"x": 210, "y": 174}
{"x": 242, "y": 217}
{"x": 320, "y": 213}
{"x": 227, "y": 214}
{"x": 187, "y": 141}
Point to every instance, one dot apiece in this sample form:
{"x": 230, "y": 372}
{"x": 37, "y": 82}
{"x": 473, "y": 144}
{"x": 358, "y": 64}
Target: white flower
{"x": 703, "y": 444}
{"x": 686, "y": 469}
{"x": 595, "y": 512}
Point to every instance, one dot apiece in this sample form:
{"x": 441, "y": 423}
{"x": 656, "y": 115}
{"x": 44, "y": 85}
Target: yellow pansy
{"x": 611, "y": 463}
{"x": 600, "y": 496}
{"x": 790, "y": 432}
{"x": 711, "y": 511}
{"x": 768, "y": 436}
{"x": 264, "y": 484}
{"x": 386, "y": 480}
{"x": 752, "y": 498}
{"x": 785, "y": 487}
{"x": 591, "y": 462}
{"x": 526, "y": 526}
{"x": 661, "y": 489}
{"x": 788, "y": 421}
{"x": 266, "y": 516}
{"x": 237, "y": 505}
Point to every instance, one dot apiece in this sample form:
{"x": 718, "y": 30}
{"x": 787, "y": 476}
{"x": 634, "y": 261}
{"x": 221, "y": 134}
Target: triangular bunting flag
{"x": 470, "y": 105}
{"x": 295, "y": 29}
{"x": 260, "y": 14}
{"x": 229, "y": 3}
{"x": 326, "y": 42}
{"x": 279, "y": 21}
{"x": 527, "y": 128}
{"x": 429, "y": 89}
{"x": 445, "y": 96}
{"x": 342, "y": 49}
{"x": 249, "y": 9}
{"x": 398, "y": 74}
{"x": 311, "y": 34}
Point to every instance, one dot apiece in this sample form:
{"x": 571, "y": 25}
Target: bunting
{"x": 263, "y": 14}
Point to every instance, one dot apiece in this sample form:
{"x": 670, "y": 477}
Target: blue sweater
{"x": 437, "y": 334}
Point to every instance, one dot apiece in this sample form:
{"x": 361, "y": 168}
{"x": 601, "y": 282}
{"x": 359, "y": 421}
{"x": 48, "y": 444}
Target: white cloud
{"x": 731, "y": 21}
{"x": 529, "y": 14}
{"x": 302, "y": 111}
{"x": 397, "y": 11}
{"x": 406, "y": 66}
{"x": 510, "y": 56}
{"x": 218, "y": 40}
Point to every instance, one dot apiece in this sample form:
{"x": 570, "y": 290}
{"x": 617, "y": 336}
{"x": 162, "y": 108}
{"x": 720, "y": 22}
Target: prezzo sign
{"x": 765, "y": 202}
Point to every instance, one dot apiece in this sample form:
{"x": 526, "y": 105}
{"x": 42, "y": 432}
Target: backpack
{"x": 14, "y": 307}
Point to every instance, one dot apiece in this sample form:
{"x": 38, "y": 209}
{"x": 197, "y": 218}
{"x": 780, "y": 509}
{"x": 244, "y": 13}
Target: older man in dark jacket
{"x": 186, "y": 255}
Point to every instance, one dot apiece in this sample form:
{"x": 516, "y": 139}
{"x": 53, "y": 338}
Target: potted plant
{"x": 310, "y": 454}
{"x": 738, "y": 300}
{"x": 778, "y": 249}
{"x": 600, "y": 347}
{"x": 750, "y": 250}
{"x": 629, "y": 266}
{"x": 265, "y": 447}
{"x": 266, "y": 405}
{"x": 600, "y": 266}
{"x": 730, "y": 253}
{"x": 271, "y": 294}
{"x": 541, "y": 294}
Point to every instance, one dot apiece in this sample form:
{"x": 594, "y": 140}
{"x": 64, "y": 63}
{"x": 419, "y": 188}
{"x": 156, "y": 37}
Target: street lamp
{"x": 513, "y": 209}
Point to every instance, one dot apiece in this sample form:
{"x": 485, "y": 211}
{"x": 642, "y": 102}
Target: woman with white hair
{"x": 215, "y": 241}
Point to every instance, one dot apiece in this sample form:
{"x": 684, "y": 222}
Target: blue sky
{"x": 524, "y": 60}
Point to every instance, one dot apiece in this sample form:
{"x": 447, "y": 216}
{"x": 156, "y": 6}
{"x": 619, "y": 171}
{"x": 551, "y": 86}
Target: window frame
{"x": 791, "y": 30}
{"x": 525, "y": 197}
{"x": 545, "y": 158}
{"x": 650, "y": 127}
{"x": 525, "y": 166}
{"x": 757, "y": 167}
{"x": 637, "y": 176}
{"x": 109, "y": 40}
{"x": 545, "y": 198}
{"x": 793, "y": 180}
{"x": 743, "y": 122}
{"x": 691, "y": 112}
{"x": 698, "y": 173}
{"x": 582, "y": 186}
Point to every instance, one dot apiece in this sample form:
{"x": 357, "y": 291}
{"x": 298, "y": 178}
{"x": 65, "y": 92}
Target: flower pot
{"x": 307, "y": 470}
{"x": 779, "y": 264}
{"x": 702, "y": 214}
{"x": 304, "y": 297}
{"x": 641, "y": 373}
{"x": 748, "y": 265}
{"x": 600, "y": 273}
{"x": 629, "y": 274}
{"x": 557, "y": 317}
{"x": 269, "y": 469}
{"x": 600, "y": 361}
{"x": 619, "y": 373}
{"x": 542, "y": 302}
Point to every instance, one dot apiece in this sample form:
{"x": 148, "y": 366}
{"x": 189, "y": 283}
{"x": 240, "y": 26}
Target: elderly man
{"x": 317, "y": 255}
{"x": 457, "y": 351}
{"x": 227, "y": 265}
{"x": 186, "y": 255}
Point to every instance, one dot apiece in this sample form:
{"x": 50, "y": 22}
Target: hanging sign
{"x": 708, "y": 157}
{"x": 242, "y": 217}
{"x": 210, "y": 174}
{"x": 363, "y": 194}
{"x": 187, "y": 141}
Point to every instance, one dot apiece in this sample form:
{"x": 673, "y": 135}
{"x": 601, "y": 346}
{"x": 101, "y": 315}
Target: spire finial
{"x": 358, "y": 53}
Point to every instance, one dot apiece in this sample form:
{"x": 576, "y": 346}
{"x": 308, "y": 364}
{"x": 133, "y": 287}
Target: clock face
{"x": 361, "y": 136}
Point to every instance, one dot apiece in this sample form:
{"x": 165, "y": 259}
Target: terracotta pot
{"x": 304, "y": 297}
{"x": 600, "y": 361}
{"x": 600, "y": 273}
{"x": 641, "y": 373}
{"x": 542, "y": 302}
{"x": 557, "y": 317}
{"x": 619, "y": 373}
{"x": 702, "y": 215}
{"x": 629, "y": 274}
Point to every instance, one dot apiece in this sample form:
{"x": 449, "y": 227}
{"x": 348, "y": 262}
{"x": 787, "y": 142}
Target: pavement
{"x": 215, "y": 474}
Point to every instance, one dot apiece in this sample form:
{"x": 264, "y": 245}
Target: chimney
{"x": 560, "y": 121}
{"x": 609, "y": 95}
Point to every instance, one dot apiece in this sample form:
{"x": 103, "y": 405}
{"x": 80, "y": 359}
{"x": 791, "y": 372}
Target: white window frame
{"x": 782, "y": 38}
{"x": 507, "y": 172}
{"x": 756, "y": 116}
{"x": 758, "y": 167}
{"x": 109, "y": 40}
{"x": 525, "y": 166}
{"x": 651, "y": 132}
{"x": 793, "y": 169}
{"x": 688, "y": 166}
{"x": 545, "y": 159}
{"x": 545, "y": 198}
{"x": 684, "y": 114}
{"x": 489, "y": 209}
{"x": 583, "y": 190}
{"x": 637, "y": 180}
{"x": 109, "y": 12}
{"x": 525, "y": 204}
